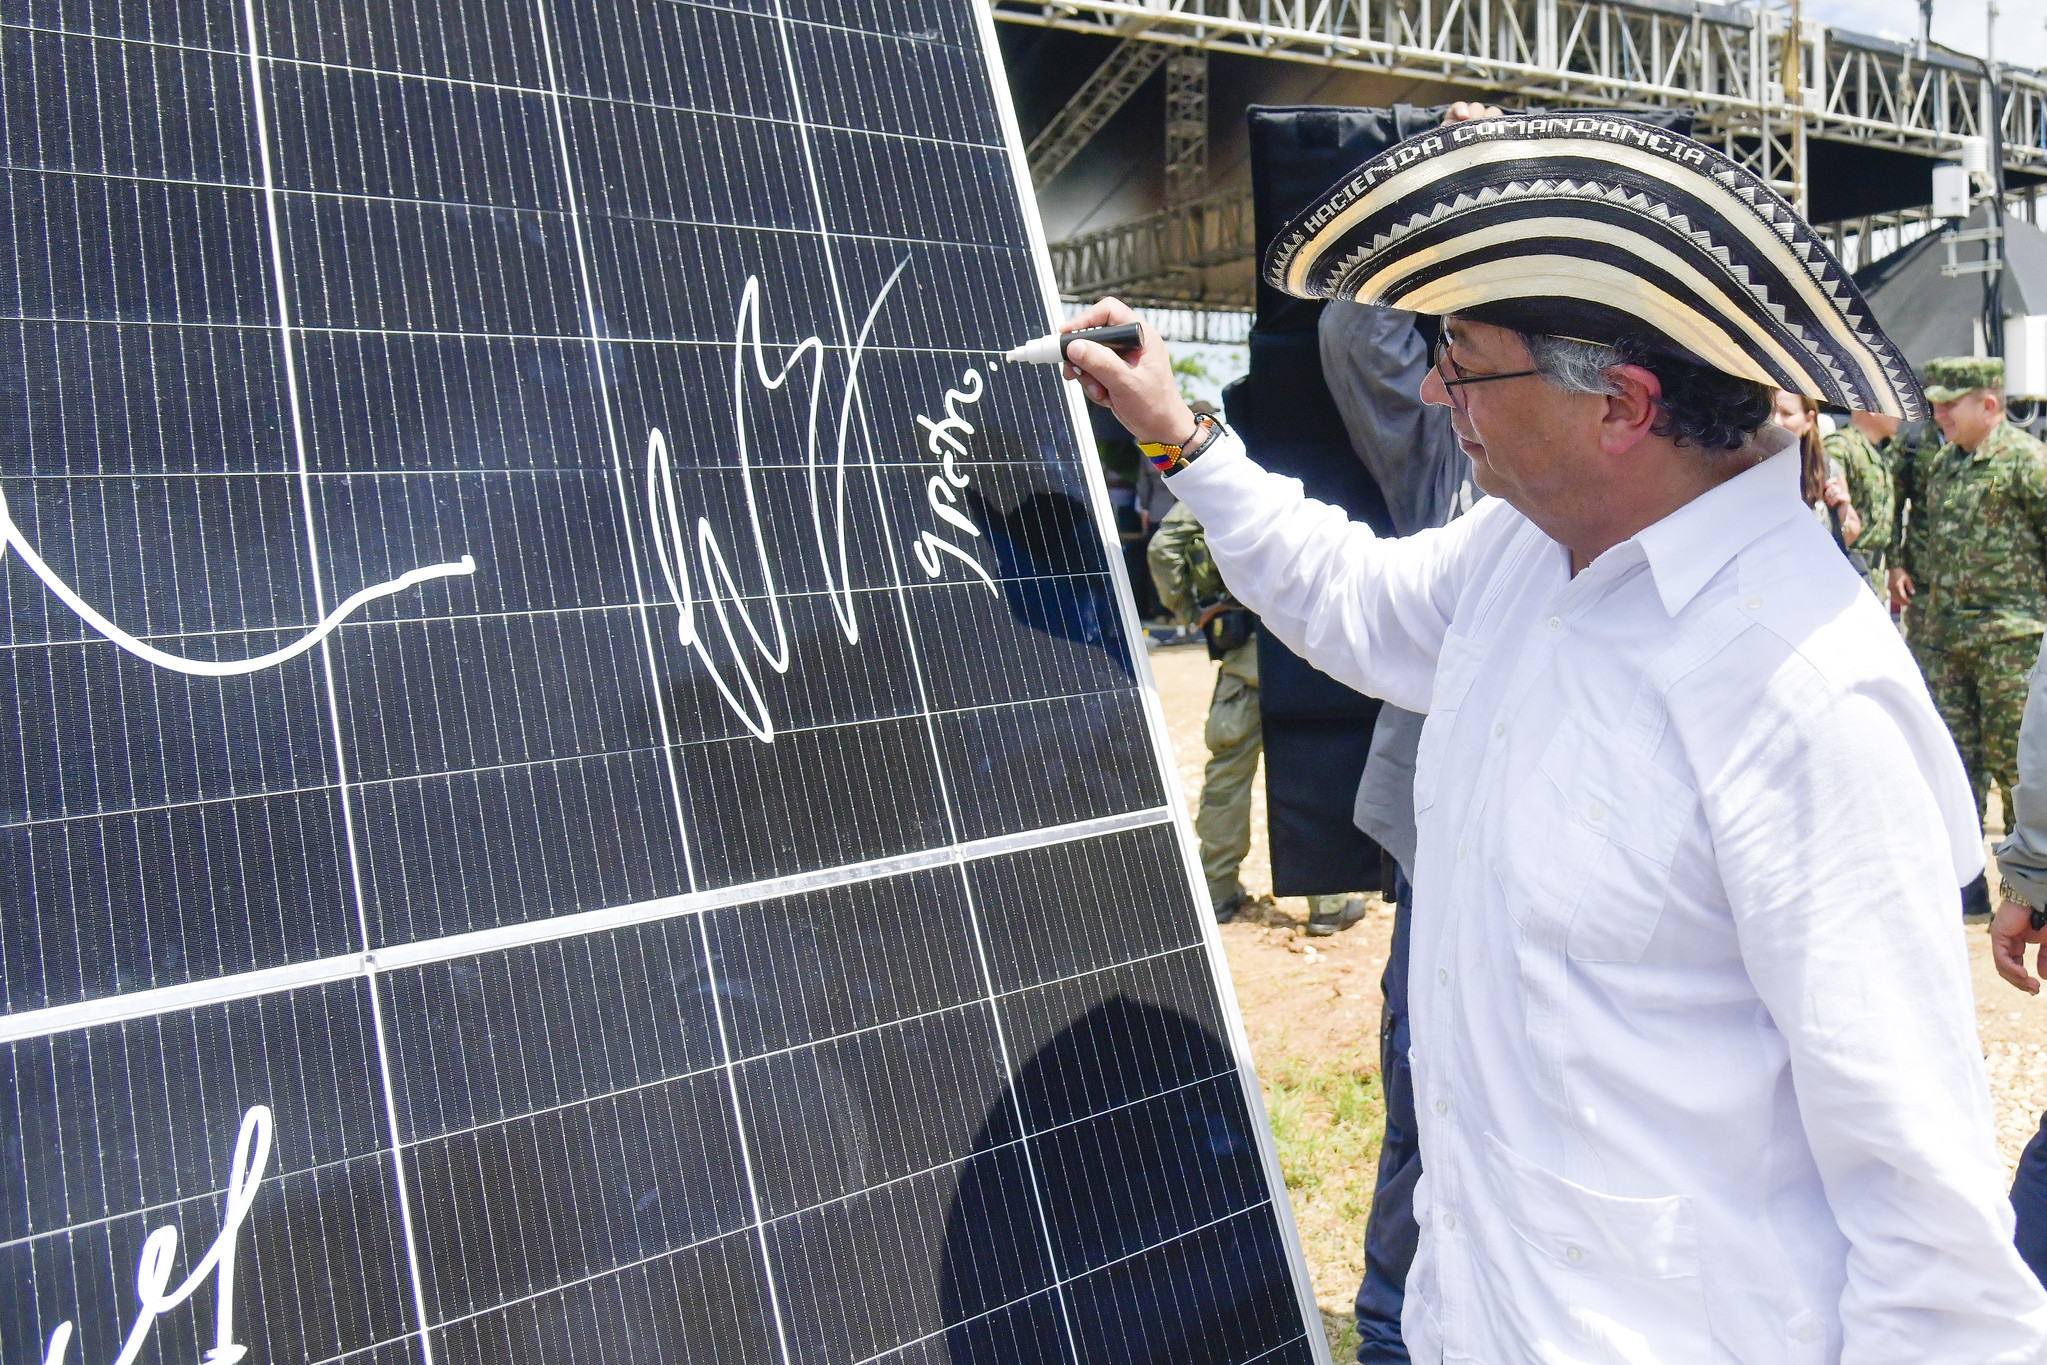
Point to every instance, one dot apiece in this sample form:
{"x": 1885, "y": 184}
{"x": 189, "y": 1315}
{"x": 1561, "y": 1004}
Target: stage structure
{"x": 1843, "y": 125}
{"x": 580, "y": 787}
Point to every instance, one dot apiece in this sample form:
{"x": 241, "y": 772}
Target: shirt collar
{"x": 1692, "y": 544}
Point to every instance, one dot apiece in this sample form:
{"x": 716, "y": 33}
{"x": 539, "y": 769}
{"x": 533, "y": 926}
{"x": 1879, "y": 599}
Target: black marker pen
{"x": 1123, "y": 338}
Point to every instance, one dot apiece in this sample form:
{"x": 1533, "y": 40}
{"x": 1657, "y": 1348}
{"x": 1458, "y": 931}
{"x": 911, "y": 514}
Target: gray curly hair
{"x": 1703, "y": 408}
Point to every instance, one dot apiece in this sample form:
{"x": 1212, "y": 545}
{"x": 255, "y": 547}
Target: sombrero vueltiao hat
{"x": 1599, "y": 229}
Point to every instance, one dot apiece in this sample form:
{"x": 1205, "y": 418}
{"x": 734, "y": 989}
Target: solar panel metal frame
{"x": 300, "y": 975}
{"x": 1162, "y": 744}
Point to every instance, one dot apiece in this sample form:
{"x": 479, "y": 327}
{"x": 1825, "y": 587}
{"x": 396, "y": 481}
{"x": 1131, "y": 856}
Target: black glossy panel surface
{"x": 118, "y": 1131}
{"x": 1059, "y": 912}
{"x": 1217, "y": 1294}
{"x": 520, "y": 573}
{"x": 810, "y": 968}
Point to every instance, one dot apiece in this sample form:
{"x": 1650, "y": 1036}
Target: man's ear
{"x": 1631, "y": 413}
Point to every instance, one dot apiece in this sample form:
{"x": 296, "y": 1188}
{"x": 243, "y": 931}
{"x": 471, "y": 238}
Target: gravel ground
{"x": 1307, "y": 1008}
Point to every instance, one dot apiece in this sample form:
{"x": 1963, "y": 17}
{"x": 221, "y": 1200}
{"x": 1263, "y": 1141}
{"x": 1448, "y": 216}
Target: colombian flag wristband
{"x": 1171, "y": 459}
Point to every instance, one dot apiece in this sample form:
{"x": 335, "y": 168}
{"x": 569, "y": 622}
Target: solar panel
{"x": 582, "y": 788}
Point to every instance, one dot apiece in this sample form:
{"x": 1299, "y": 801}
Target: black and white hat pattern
{"x": 1600, "y": 229}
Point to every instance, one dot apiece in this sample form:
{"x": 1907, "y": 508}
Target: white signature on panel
{"x": 770, "y": 639}
{"x": 153, "y": 1269}
{"x": 11, "y": 538}
{"x": 943, "y": 441}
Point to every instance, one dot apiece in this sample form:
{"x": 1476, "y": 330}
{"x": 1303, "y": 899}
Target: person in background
{"x": 1131, "y": 532}
{"x": 2021, "y": 920}
{"x": 1154, "y": 501}
{"x": 1861, "y": 451}
{"x": 1822, "y": 485}
{"x": 1969, "y": 567}
{"x": 1192, "y": 589}
{"x": 1374, "y": 361}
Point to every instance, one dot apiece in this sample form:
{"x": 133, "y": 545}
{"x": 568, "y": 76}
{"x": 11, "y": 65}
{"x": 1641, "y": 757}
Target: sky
{"x": 2021, "y": 24}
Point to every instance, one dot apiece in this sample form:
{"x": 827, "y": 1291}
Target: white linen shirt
{"x": 1695, "y": 1057}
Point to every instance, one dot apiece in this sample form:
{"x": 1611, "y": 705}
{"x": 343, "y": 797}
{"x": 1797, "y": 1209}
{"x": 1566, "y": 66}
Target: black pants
{"x": 1137, "y": 568}
{"x": 1391, "y": 1233}
{"x": 2029, "y": 1202}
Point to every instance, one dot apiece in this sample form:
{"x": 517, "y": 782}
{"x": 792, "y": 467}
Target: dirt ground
{"x": 1313, "y": 1018}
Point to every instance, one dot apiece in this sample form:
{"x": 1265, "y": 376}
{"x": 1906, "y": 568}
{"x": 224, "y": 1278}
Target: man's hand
{"x": 2011, "y": 929}
{"x": 1139, "y": 388}
{"x": 1470, "y": 109}
{"x": 1835, "y": 494}
{"x": 1901, "y": 588}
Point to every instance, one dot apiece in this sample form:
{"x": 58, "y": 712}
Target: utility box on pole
{"x": 2025, "y": 356}
{"x": 1950, "y": 190}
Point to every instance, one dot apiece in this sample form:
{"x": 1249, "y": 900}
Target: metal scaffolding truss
{"x": 1186, "y": 126}
{"x": 1727, "y": 61}
{"x": 1093, "y": 105}
{"x": 1762, "y": 90}
{"x": 1160, "y": 259}
{"x": 1874, "y": 92}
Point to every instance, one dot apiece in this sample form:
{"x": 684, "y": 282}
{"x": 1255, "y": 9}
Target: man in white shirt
{"x": 1694, "y": 1049}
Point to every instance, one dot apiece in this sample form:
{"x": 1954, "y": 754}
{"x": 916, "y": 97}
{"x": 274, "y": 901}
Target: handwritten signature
{"x": 12, "y": 538}
{"x": 828, "y": 513}
{"x": 160, "y": 1250}
{"x": 943, "y": 441}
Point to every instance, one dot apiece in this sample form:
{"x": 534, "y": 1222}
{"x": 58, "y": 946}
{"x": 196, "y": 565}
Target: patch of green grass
{"x": 1342, "y": 1331}
{"x": 1327, "y": 1121}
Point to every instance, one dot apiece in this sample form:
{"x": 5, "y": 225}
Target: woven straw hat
{"x": 1603, "y": 230}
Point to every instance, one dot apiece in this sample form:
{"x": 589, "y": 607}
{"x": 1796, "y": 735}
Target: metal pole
{"x": 1993, "y": 280}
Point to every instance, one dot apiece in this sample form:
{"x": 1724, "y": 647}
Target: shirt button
{"x": 1573, "y": 1255}
{"x": 1450, "y": 1222}
{"x": 1556, "y": 623}
{"x": 1597, "y": 810}
{"x": 1754, "y": 604}
{"x": 1462, "y": 849}
{"x": 1442, "y": 976}
{"x": 1807, "y": 1330}
{"x": 1442, "y": 1106}
{"x": 1499, "y": 730}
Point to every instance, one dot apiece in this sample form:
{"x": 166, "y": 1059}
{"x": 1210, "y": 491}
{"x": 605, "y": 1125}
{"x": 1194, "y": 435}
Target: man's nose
{"x": 1433, "y": 390}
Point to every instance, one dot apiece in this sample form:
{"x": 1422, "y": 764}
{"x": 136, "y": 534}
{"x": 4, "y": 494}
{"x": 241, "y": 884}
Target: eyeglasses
{"x": 1453, "y": 375}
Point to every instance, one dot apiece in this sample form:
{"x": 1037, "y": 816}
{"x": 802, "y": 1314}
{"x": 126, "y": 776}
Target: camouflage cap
{"x": 1949, "y": 377}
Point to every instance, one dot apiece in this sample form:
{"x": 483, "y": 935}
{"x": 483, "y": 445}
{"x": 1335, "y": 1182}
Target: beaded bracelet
{"x": 1170, "y": 459}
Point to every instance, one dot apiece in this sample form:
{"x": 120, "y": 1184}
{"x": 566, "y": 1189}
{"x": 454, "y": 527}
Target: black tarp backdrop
{"x": 664, "y": 926}
{"x": 1930, "y": 314}
{"x": 1317, "y": 731}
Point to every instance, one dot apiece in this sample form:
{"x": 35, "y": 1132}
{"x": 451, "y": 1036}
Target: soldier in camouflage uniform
{"x": 1192, "y": 589}
{"x": 1970, "y": 558}
{"x": 1867, "y": 469}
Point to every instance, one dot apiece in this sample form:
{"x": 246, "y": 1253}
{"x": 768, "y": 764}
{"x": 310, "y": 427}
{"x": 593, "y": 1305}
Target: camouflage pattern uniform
{"x": 1975, "y": 545}
{"x": 1868, "y": 474}
{"x": 1187, "y": 581}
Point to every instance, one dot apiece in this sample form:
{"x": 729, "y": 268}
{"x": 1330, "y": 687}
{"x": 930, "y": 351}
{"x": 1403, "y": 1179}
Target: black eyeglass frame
{"x": 1442, "y": 353}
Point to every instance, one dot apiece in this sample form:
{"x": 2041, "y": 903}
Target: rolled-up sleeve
{"x": 2022, "y": 857}
{"x": 1370, "y": 612}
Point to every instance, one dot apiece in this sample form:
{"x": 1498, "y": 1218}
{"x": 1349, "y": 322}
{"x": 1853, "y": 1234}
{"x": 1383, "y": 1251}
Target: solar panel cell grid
{"x": 581, "y": 786}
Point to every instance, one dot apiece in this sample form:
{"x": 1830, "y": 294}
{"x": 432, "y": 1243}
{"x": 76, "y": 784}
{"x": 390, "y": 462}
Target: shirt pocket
{"x": 1596, "y": 840}
{"x": 1618, "y": 1278}
{"x": 1457, "y": 667}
